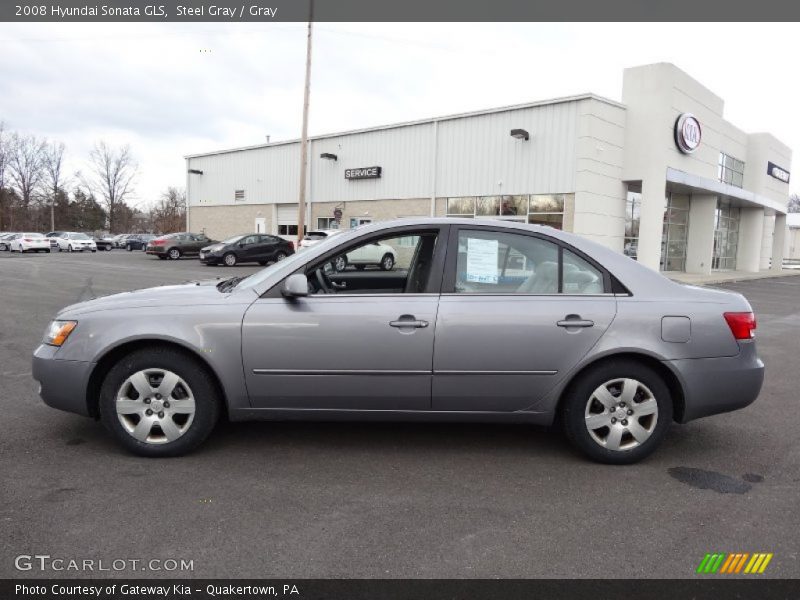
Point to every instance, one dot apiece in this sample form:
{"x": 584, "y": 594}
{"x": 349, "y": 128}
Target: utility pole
{"x": 301, "y": 203}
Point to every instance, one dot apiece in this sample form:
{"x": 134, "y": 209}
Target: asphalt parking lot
{"x": 385, "y": 500}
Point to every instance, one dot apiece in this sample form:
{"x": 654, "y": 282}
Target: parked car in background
{"x": 72, "y": 241}
{"x": 176, "y": 245}
{"x": 5, "y": 240}
{"x": 104, "y": 243}
{"x": 575, "y": 334}
{"x": 254, "y": 247}
{"x": 29, "y": 242}
{"x": 316, "y": 236}
{"x": 52, "y": 236}
{"x": 138, "y": 241}
{"x": 377, "y": 254}
{"x": 119, "y": 239}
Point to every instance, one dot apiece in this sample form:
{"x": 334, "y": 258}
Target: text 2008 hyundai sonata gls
{"x": 479, "y": 320}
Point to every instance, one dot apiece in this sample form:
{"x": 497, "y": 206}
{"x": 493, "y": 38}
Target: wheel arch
{"x": 670, "y": 378}
{"x": 112, "y": 355}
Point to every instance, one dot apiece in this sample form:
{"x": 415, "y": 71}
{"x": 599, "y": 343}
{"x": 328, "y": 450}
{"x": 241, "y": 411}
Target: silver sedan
{"x": 477, "y": 321}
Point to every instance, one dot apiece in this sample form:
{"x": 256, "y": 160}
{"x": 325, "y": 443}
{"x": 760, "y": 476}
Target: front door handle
{"x": 574, "y": 321}
{"x": 408, "y": 321}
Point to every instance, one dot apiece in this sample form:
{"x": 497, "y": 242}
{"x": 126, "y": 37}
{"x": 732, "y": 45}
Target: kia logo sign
{"x": 777, "y": 172}
{"x": 363, "y": 173}
{"x": 687, "y": 133}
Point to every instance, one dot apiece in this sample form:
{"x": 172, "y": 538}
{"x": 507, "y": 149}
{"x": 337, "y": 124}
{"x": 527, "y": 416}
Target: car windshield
{"x": 79, "y": 236}
{"x": 232, "y": 240}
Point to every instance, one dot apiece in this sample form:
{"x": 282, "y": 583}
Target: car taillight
{"x": 742, "y": 324}
{"x": 26, "y": 240}
{"x": 157, "y": 242}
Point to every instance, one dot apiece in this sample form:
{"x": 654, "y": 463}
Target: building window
{"x": 730, "y": 170}
{"x": 673, "y": 239}
{"x": 289, "y": 229}
{"x": 327, "y": 223}
{"x": 726, "y": 236}
{"x": 538, "y": 209}
{"x": 238, "y": 196}
{"x": 633, "y": 209}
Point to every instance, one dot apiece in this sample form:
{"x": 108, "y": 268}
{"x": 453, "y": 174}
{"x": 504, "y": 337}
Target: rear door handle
{"x": 574, "y": 321}
{"x": 403, "y": 323}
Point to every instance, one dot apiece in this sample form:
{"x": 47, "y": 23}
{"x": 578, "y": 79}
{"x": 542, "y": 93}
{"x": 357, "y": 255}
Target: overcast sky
{"x": 151, "y": 86}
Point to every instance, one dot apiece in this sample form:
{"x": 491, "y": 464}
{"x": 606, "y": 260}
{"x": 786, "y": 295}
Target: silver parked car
{"x": 531, "y": 325}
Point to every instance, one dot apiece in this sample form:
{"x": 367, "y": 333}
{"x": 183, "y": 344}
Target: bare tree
{"x": 26, "y": 168}
{"x": 169, "y": 215}
{"x": 111, "y": 177}
{"x": 4, "y": 147}
{"x": 794, "y": 203}
{"x": 54, "y": 178}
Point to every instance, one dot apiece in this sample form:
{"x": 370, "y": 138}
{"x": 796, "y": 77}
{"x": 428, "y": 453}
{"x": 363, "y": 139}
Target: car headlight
{"x": 58, "y": 332}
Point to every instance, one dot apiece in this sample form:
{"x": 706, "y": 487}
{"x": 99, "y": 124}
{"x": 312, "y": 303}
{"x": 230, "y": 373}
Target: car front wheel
{"x": 617, "y": 412}
{"x": 387, "y": 262}
{"x": 229, "y": 259}
{"x": 159, "y": 402}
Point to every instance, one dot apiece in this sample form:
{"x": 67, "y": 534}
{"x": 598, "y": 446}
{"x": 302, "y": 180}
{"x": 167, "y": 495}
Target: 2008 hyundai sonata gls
{"x": 479, "y": 320}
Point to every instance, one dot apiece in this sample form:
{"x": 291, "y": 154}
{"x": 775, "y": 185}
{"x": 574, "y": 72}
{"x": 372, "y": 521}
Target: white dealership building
{"x": 661, "y": 176}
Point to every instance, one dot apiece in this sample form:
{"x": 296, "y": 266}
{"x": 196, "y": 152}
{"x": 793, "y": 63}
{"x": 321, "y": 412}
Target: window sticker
{"x": 482, "y": 260}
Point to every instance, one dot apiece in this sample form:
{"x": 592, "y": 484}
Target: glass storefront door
{"x": 674, "y": 234}
{"x": 726, "y": 236}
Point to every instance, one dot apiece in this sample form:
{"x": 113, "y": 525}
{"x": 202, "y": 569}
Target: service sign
{"x": 687, "y": 133}
{"x": 778, "y": 173}
{"x": 363, "y": 173}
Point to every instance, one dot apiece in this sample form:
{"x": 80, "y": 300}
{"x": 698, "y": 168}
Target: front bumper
{"x": 210, "y": 259}
{"x": 63, "y": 384}
{"x": 718, "y": 385}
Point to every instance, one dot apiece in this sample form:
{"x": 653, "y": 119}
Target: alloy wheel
{"x": 174, "y": 254}
{"x": 155, "y": 406}
{"x": 621, "y": 414}
{"x": 230, "y": 259}
{"x": 387, "y": 263}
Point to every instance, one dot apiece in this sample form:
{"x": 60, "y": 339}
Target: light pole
{"x": 301, "y": 202}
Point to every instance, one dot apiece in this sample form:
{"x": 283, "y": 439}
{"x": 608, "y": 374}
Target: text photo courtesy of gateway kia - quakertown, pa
{"x": 359, "y": 300}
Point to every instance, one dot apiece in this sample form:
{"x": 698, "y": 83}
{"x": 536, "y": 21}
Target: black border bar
{"x": 699, "y": 588}
{"x": 401, "y": 11}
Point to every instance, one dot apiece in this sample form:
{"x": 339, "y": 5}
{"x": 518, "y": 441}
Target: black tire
{"x": 262, "y": 262}
{"x": 161, "y": 257}
{"x": 174, "y": 253}
{"x": 207, "y": 399}
{"x": 70, "y": 249}
{"x": 361, "y": 267}
{"x": 93, "y": 251}
{"x": 48, "y": 250}
{"x": 387, "y": 262}
{"x": 578, "y": 394}
{"x": 280, "y": 256}
{"x": 229, "y": 259}
{"x": 128, "y": 247}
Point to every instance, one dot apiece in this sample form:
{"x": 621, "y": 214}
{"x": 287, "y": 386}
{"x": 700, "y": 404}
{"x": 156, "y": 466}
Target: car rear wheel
{"x": 617, "y": 412}
{"x": 387, "y": 262}
{"x": 174, "y": 254}
{"x": 159, "y": 402}
{"x": 229, "y": 259}
{"x": 128, "y": 247}
{"x": 280, "y": 256}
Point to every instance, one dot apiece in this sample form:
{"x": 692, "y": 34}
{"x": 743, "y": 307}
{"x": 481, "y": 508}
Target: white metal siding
{"x": 287, "y": 214}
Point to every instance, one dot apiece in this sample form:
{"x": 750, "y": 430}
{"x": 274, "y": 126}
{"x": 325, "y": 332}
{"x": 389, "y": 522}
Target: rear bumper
{"x": 718, "y": 385}
{"x": 62, "y": 383}
{"x": 156, "y": 250}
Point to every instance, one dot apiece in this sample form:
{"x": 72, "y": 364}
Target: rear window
{"x": 32, "y": 235}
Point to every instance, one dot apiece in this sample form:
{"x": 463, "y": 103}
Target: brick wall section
{"x": 220, "y": 222}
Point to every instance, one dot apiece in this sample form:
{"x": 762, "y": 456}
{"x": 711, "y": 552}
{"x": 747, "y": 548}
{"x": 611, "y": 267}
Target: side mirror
{"x": 296, "y": 286}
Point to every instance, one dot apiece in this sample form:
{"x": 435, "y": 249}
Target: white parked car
{"x": 75, "y": 242}
{"x": 377, "y": 254}
{"x": 315, "y": 237}
{"x": 29, "y": 242}
{"x": 5, "y": 240}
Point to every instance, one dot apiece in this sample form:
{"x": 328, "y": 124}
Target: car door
{"x": 517, "y": 312}
{"x": 347, "y": 350}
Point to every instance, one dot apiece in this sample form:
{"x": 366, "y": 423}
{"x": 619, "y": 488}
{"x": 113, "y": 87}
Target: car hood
{"x": 196, "y": 293}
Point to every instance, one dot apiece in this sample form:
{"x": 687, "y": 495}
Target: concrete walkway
{"x": 727, "y": 276}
